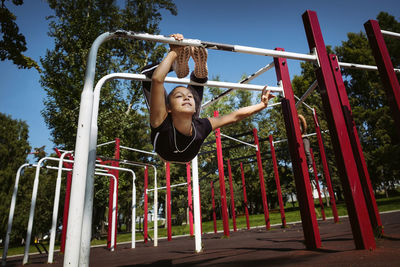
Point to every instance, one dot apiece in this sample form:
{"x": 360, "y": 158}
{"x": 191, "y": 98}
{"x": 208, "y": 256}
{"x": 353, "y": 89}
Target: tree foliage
{"x": 14, "y": 149}
{"x": 13, "y": 43}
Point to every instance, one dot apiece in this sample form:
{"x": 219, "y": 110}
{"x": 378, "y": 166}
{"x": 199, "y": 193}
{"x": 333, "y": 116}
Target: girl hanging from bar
{"x": 177, "y": 132}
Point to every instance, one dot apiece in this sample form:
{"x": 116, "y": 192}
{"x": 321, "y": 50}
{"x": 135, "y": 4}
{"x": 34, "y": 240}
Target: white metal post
{"x": 55, "y": 208}
{"x": 11, "y": 213}
{"x": 196, "y": 205}
{"x": 155, "y": 211}
{"x": 133, "y": 227}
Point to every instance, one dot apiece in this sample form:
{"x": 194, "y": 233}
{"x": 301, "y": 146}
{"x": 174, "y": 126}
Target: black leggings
{"x": 306, "y": 143}
{"x": 195, "y": 89}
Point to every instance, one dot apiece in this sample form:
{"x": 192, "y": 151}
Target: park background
{"x": 26, "y": 93}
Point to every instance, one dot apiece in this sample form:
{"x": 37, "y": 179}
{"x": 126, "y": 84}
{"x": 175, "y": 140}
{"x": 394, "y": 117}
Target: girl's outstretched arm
{"x": 158, "y": 108}
{"x": 242, "y": 113}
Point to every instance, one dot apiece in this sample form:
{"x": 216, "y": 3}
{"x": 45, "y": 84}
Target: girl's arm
{"x": 158, "y": 107}
{"x": 242, "y": 113}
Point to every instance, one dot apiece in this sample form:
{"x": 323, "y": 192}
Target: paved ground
{"x": 256, "y": 247}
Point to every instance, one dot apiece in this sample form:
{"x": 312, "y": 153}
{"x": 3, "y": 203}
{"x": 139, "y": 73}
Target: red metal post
{"x": 111, "y": 196}
{"x": 262, "y": 183}
{"x": 213, "y": 207}
{"x": 190, "y": 203}
{"x": 201, "y": 217}
{"x": 298, "y": 156}
{"x": 321, "y": 203}
{"x": 168, "y": 181}
{"x": 232, "y": 197}
{"x": 224, "y": 212}
{"x": 277, "y": 181}
{"x": 385, "y": 67}
{"x": 66, "y": 200}
{"x": 145, "y": 212}
{"x": 357, "y": 149}
{"x": 356, "y": 207}
{"x": 326, "y": 168}
{"x": 246, "y": 210}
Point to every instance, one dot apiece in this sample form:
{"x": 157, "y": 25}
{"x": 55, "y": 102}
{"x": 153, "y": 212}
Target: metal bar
{"x": 220, "y": 159}
{"x": 361, "y": 66}
{"x": 321, "y": 203}
{"x": 325, "y": 168}
{"x": 233, "y": 213}
{"x": 385, "y": 66}
{"x": 389, "y": 33}
{"x": 139, "y": 150}
{"x": 190, "y": 200}
{"x": 146, "y": 211}
{"x": 277, "y": 182}
{"x": 213, "y": 206}
{"x": 262, "y": 183}
{"x": 306, "y": 135}
{"x": 358, "y": 214}
{"x": 307, "y": 93}
{"x": 357, "y": 150}
{"x": 246, "y": 210}
{"x": 107, "y": 143}
{"x": 297, "y": 154}
{"x": 237, "y": 140}
{"x": 244, "y": 81}
{"x": 168, "y": 186}
{"x": 196, "y": 206}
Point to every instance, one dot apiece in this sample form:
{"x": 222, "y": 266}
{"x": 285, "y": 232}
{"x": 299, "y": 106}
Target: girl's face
{"x": 181, "y": 100}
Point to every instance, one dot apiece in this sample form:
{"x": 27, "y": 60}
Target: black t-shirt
{"x": 163, "y": 140}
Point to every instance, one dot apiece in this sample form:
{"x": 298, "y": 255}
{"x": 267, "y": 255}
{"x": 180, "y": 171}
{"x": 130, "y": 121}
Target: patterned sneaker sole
{"x": 181, "y": 64}
{"x": 199, "y": 55}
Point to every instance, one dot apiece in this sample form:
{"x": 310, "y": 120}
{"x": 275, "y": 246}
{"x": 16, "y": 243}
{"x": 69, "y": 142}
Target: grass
{"x": 292, "y": 214}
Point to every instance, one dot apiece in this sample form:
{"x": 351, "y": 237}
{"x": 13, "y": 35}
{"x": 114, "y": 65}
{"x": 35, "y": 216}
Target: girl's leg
{"x": 148, "y": 70}
{"x": 199, "y": 75}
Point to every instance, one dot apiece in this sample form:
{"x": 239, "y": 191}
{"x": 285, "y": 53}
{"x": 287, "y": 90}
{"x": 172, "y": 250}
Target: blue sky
{"x": 256, "y": 23}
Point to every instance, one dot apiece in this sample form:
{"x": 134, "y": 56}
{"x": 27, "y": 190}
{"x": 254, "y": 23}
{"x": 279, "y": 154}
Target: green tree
{"x": 369, "y": 104}
{"x": 14, "y": 149}
{"x": 12, "y": 42}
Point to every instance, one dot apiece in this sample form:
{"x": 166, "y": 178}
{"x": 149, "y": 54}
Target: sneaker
{"x": 199, "y": 55}
{"x": 181, "y": 63}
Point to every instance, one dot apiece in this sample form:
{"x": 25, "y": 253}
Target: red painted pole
{"x": 213, "y": 207}
{"x": 355, "y": 202}
{"x": 168, "y": 181}
{"x": 232, "y": 197}
{"x": 224, "y": 212}
{"x": 277, "y": 181}
{"x": 326, "y": 168}
{"x": 385, "y": 67}
{"x": 145, "y": 215}
{"x": 66, "y": 201}
{"x": 321, "y": 203}
{"x": 298, "y": 156}
{"x": 190, "y": 203}
{"x": 262, "y": 183}
{"x": 246, "y": 210}
{"x": 357, "y": 150}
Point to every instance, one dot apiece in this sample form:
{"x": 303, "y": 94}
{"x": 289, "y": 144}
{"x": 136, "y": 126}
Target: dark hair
{"x": 195, "y": 96}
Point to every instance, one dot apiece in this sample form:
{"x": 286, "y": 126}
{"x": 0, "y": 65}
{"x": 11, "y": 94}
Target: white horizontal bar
{"x": 274, "y": 53}
{"x": 360, "y": 66}
{"x": 237, "y": 140}
{"x": 138, "y": 150}
{"x": 107, "y": 143}
{"x": 394, "y": 34}
{"x": 164, "y": 187}
{"x": 142, "y": 77}
{"x": 306, "y": 135}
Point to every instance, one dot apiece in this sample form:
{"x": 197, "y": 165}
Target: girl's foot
{"x": 180, "y": 65}
{"x": 199, "y": 55}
